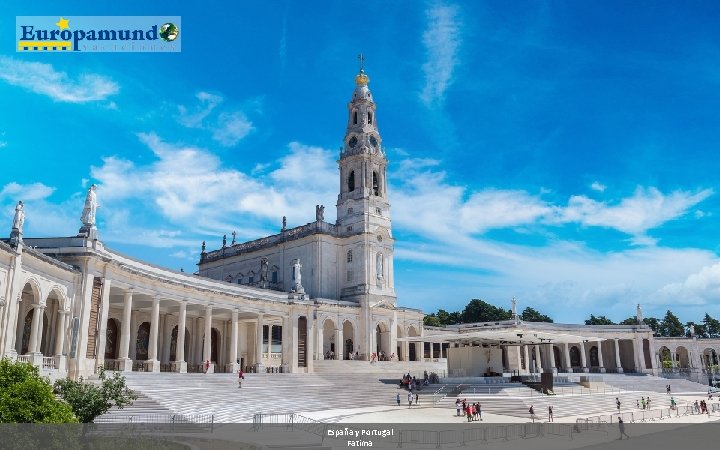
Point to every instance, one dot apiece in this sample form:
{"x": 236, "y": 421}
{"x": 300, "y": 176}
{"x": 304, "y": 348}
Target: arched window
{"x": 349, "y": 256}
{"x": 376, "y": 184}
{"x": 354, "y": 117}
{"x": 370, "y": 117}
{"x": 351, "y": 181}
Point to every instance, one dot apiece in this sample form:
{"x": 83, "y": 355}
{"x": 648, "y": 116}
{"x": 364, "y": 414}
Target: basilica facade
{"x": 323, "y": 290}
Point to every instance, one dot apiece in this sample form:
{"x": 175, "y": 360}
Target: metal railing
{"x": 175, "y": 422}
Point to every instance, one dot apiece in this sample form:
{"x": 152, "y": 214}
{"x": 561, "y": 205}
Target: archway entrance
{"x": 594, "y": 360}
{"x": 382, "y": 340}
{"x": 349, "y": 335}
{"x": 173, "y": 344}
{"x": 142, "y": 342}
{"x": 575, "y": 359}
{"x": 111, "y": 333}
{"x": 559, "y": 363}
{"x": 328, "y": 348}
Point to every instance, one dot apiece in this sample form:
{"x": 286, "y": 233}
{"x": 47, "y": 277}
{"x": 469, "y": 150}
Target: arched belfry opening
{"x": 376, "y": 184}
{"x": 351, "y": 181}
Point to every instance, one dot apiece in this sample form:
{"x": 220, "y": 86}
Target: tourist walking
{"x": 550, "y": 413}
{"x": 532, "y": 413}
{"x": 398, "y": 399}
{"x": 417, "y": 398}
{"x": 667, "y": 388}
{"x": 621, "y": 426}
{"x": 241, "y": 377}
{"x": 410, "y": 399}
{"x": 617, "y": 402}
{"x": 458, "y": 405}
{"x": 207, "y": 365}
{"x": 643, "y": 402}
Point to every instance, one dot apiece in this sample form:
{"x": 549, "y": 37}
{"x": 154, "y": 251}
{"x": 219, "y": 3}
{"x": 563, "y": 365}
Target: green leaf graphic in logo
{"x": 169, "y": 32}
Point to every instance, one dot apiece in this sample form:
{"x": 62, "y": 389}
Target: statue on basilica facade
{"x": 263, "y": 269}
{"x": 19, "y": 218}
{"x": 639, "y": 315}
{"x": 88, "y": 215}
{"x": 297, "y": 277}
{"x": 17, "y": 225}
{"x": 319, "y": 213}
{"x": 284, "y": 226}
{"x": 379, "y": 266}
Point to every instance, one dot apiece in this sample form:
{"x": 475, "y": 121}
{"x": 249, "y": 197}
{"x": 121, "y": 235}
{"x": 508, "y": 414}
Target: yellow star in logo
{"x": 64, "y": 24}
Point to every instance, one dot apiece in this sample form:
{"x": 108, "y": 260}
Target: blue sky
{"x": 560, "y": 152}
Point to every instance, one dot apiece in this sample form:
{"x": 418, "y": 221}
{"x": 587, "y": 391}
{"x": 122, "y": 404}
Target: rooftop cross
{"x": 361, "y": 57}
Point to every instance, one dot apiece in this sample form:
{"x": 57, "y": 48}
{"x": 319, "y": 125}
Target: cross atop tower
{"x": 361, "y": 57}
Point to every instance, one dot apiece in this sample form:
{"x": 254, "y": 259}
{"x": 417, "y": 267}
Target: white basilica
{"x": 71, "y": 305}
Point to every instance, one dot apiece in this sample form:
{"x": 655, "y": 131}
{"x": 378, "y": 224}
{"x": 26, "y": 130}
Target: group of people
{"x": 382, "y": 356}
{"x": 410, "y": 398}
{"x": 472, "y": 411}
{"x": 645, "y": 404}
{"x": 701, "y": 407}
{"x": 412, "y": 383}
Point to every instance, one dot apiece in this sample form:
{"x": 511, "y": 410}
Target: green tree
{"x": 712, "y": 326}
{"x": 653, "y": 323}
{"x": 629, "y": 321}
{"x": 431, "y": 320}
{"x": 671, "y": 326}
{"x": 481, "y": 311}
{"x": 90, "y": 400}
{"x": 25, "y": 397}
{"x": 601, "y": 320}
{"x": 532, "y": 315}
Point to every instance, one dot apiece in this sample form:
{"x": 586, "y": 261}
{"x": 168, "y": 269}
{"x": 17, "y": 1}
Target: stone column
{"x": 259, "y": 366}
{"x": 34, "y": 345}
{"x": 287, "y": 346}
{"x": 568, "y": 364}
{"x": 311, "y": 344}
{"x": 60, "y": 359}
{"x": 339, "y": 344}
{"x": 551, "y": 358}
{"x": 103, "y": 319}
{"x": 60, "y": 332}
{"x": 527, "y": 358}
{"x": 133, "y": 334}
{"x": 600, "y": 357}
{"x": 538, "y": 359}
{"x": 125, "y": 363}
{"x": 233, "y": 356}
{"x": 269, "y": 349}
{"x": 153, "y": 365}
{"x": 166, "y": 339}
{"x": 180, "y": 365}
{"x": 583, "y": 358}
{"x": 207, "y": 351}
{"x": 618, "y": 363}
{"x": 672, "y": 353}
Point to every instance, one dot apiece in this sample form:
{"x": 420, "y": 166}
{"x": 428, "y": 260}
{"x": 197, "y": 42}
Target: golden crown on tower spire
{"x": 361, "y": 79}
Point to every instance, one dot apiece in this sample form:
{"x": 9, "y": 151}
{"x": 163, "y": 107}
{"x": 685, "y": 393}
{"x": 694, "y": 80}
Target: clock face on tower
{"x": 353, "y": 141}
{"x": 373, "y": 141}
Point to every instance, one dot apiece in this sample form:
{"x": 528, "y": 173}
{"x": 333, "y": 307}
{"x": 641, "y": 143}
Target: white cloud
{"x": 43, "y": 79}
{"x": 226, "y": 127}
{"x": 423, "y": 201}
{"x": 597, "y": 186}
{"x": 645, "y": 210}
{"x": 27, "y": 192}
{"x": 191, "y": 188}
{"x": 441, "y": 39}
{"x": 231, "y": 128}
{"x": 700, "y": 288}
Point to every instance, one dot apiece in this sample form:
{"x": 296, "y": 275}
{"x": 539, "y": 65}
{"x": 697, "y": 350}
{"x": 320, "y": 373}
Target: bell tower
{"x": 363, "y": 208}
{"x": 363, "y": 204}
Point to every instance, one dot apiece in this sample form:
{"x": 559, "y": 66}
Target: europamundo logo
{"x": 98, "y": 34}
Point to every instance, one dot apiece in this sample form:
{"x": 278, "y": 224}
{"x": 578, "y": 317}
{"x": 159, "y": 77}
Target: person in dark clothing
{"x": 621, "y": 426}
